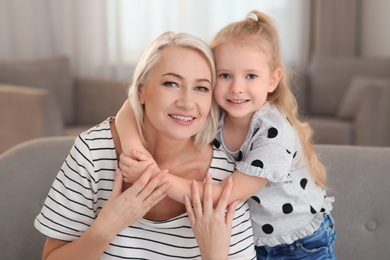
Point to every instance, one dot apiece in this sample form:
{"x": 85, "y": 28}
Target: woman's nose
{"x": 186, "y": 100}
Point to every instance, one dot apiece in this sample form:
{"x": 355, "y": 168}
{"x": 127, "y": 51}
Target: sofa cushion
{"x": 355, "y": 92}
{"x": 329, "y": 77}
{"x": 52, "y": 74}
{"x": 327, "y": 130}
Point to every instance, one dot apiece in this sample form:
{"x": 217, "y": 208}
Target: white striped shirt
{"x": 84, "y": 184}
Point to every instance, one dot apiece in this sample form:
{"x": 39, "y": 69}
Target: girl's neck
{"x": 237, "y": 122}
{"x": 235, "y": 130}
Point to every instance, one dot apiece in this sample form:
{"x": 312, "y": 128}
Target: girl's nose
{"x": 236, "y": 87}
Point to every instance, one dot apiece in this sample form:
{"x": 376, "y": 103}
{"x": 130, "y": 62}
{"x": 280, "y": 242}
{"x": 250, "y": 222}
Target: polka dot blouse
{"x": 291, "y": 205}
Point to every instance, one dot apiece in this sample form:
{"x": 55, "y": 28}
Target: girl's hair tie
{"x": 252, "y": 16}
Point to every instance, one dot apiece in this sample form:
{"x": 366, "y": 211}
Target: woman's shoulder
{"x": 97, "y": 140}
{"x": 222, "y": 161}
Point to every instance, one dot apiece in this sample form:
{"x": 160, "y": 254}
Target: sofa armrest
{"x": 372, "y": 121}
{"x": 27, "y": 113}
{"x": 97, "y": 99}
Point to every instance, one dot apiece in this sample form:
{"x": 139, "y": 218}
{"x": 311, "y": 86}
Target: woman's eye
{"x": 203, "y": 89}
{"x": 251, "y": 76}
{"x": 170, "y": 84}
{"x": 224, "y": 76}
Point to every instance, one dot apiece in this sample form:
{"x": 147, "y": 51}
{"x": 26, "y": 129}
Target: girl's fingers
{"x": 139, "y": 156}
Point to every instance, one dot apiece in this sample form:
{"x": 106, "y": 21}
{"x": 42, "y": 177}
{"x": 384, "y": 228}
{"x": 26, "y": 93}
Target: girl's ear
{"x": 274, "y": 81}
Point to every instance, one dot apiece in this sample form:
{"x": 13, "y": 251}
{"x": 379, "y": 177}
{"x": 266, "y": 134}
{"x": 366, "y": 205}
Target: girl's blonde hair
{"x": 148, "y": 60}
{"x": 261, "y": 33}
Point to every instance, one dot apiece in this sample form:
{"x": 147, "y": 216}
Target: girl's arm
{"x": 130, "y": 139}
{"x": 138, "y": 158}
{"x": 245, "y": 186}
{"x": 126, "y": 126}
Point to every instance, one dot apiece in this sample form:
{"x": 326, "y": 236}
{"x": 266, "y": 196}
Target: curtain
{"x": 105, "y": 38}
{"x": 335, "y": 29}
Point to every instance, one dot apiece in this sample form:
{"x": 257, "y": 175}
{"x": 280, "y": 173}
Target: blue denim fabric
{"x": 319, "y": 245}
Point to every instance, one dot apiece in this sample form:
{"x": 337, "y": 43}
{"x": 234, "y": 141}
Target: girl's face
{"x": 177, "y": 96}
{"x": 244, "y": 79}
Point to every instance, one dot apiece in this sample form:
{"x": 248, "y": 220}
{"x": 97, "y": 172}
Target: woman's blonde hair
{"x": 150, "y": 57}
{"x": 261, "y": 33}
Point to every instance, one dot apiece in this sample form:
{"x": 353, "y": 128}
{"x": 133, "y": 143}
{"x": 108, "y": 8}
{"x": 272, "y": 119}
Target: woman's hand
{"x": 212, "y": 227}
{"x": 124, "y": 208}
{"x": 121, "y": 210}
{"x": 133, "y": 167}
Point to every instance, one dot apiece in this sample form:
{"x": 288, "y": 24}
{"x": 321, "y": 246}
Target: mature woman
{"x": 88, "y": 214}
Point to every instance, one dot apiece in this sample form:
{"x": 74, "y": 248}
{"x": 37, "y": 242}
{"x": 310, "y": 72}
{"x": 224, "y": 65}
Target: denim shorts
{"x": 319, "y": 245}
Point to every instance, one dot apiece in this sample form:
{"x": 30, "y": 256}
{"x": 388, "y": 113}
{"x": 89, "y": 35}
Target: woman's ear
{"x": 141, "y": 96}
{"x": 275, "y": 78}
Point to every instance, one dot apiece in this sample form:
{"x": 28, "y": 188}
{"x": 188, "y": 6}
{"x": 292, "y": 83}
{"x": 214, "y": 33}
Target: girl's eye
{"x": 170, "y": 84}
{"x": 224, "y": 76}
{"x": 251, "y": 76}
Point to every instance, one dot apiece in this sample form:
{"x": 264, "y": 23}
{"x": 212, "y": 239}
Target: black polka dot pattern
{"x": 255, "y": 198}
{"x": 303, "y": 183}
{"x": 267, "y": 228}
{"x": 254, "y": 133}
{"x": 257, "y": 163}
{"x": 287, "y": 208}
{"x": 239, "y": 157}
{"x": 272, "y": 132}
{"x": 216, "y": 143}
{"x": 312, "y": 210}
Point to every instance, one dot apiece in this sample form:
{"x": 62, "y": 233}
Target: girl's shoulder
{"x": 272, "y": 124}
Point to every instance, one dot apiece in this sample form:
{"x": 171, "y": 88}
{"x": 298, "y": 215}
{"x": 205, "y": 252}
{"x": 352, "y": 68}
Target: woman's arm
{"x": 121, "y": 210}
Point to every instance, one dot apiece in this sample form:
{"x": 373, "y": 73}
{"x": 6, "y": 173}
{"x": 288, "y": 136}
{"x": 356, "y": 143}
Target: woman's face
{"x": 177, "y": 96}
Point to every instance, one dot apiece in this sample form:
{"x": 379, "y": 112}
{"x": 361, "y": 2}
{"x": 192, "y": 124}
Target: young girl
{"x": 277, "y": 167}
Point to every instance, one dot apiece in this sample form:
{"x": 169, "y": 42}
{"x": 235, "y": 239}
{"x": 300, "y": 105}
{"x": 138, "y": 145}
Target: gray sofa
{"x": 346, "y": 100}
{"x": 41, "y": 98}
{"x": 358, "y": 178}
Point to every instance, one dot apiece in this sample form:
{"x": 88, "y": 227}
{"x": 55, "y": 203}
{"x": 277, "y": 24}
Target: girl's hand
{"x": 132, "y": 168}
{"x": 124, "y": 208}
{"x": 212, "y": 227}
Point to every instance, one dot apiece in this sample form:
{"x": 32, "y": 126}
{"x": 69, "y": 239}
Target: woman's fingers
{"x": 196, "y": 202}
{"x": 225, "y": 195}
{"x": 230, "y": 213}
{"x": 141, "y": 183}
{"x": 208, "y": 195}
{"x": 117, "y": 188}
{"x": 189, "y": 209}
